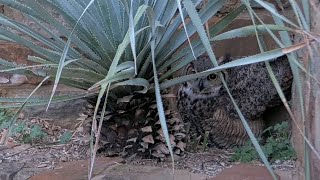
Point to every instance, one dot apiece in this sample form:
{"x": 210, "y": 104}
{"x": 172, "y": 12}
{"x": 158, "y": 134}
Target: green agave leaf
{"x": 124, "y": 65}
{"x": 26, "y": 67}
{"x": 52, "y": 55}
{"x": 160, "y": 108}
{"x": 132, "y": 38}
{"x": 97, "y": 130}
{"x": 223, "y": 23}
{"x": 122, "y": 75}
{"x": 64, "y": 55}
{"x": 134, "y": 82}
{"x": 181, "y": 37}
{"x": 185, "y": 28}
{"x": 249, "y": 30}
{"x": 44, "y": 100}
{"x": 42, "y": 15}
{"x": 186, "y": 59}
{"x": 299, "y": 16}
{"x": 306, "y": 12}
{"x": 273, "y": 10}
{"x": 196, "y": 44}
{"x": 7, "y": 63}
{"x": 39, "y": 60}
{"x": 27, "y": 30}
{"x": 173, "y": 26}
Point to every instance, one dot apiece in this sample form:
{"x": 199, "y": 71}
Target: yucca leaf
{"x": 64, "y": 55}
{"x": 190, "y": 29}
{"x": 249, "y": 30}
{"x": 273, "y": 10}
{"x": 160, "y": 108}
{"x": 52, "y": 55}
{"x": 134, "y": 82}
{"x": 196, "y": 44}
{"x": 132, "y": 38}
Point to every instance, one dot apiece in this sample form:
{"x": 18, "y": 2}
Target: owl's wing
{"x": 252, "y": 89}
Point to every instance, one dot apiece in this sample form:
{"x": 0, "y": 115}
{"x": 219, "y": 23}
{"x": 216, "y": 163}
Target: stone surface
{"x": 14, "y": 52}
{"x": 77, "y": 170}
{"x": 62, "y": 114}
{"x": 129, "y": 172}
{"x": 110, "y": 169}
{"x": 9, "y": 170}
{"x": 244, "y": 172}
{"x": 288, "y": 175}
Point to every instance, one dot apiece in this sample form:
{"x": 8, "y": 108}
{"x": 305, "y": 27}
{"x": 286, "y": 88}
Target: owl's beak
{"x": 200, "y": 85}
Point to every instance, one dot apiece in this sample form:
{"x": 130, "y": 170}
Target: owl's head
{"x": 208, "y": 85}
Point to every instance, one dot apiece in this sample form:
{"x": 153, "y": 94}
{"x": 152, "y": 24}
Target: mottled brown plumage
{"x": 205, "y": 103}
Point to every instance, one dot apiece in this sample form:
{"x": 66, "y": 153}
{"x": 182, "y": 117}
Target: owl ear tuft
{"x": 225, "y": 58}
{"x": 189, "y": 69}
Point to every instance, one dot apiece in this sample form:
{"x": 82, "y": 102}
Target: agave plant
{"x": 102, "y": 46}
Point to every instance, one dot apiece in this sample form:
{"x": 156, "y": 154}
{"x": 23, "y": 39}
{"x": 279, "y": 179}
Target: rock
{"x": 109, "y": 168}
{"x": 245, "y": 171}
{"x": 133, "y": 172}
{"x": 9, "y": 170}
{"x": 77, "y": 170}
{"x": 63, "y": 114}
{"x": 288, "y": 175}
{"x": 17, "y": 79}
{"x": 14, "y": 52}
{"x": 4, "y": 80}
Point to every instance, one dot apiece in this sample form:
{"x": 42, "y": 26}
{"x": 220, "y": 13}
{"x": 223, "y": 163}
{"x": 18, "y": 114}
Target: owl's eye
{"x": 212, "y": 77}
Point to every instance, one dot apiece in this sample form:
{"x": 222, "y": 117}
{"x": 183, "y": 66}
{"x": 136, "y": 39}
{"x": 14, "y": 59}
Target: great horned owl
{"x": 204, "y": 102}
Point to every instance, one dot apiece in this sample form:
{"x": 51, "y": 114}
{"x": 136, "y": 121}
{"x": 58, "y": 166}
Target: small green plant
{"x": 19, "y": 128}
{"x": 4, "y": 119}
{"x": 277, "y": 146}
{"x": 65, "y": 138}
{"x": 245, "y": 153}
{"x": 36, "y": 134}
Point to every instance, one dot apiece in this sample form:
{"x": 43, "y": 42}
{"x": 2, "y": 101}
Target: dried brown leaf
{"x": 148, "y": 139}
{"x": 124, "y": 99}
{"x": 161, "y": 148}
{"x": 144, "y": 145}
{"x": 181, "y": 145}
{"x": 146, "y": 129}
{"x": 158, "y": 155}
{"x": 4, "y": 80}
{"x": 132, "y": 139}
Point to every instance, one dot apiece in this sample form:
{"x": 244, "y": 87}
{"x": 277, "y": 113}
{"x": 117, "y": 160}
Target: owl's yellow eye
{"x": 212, "y": 77}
